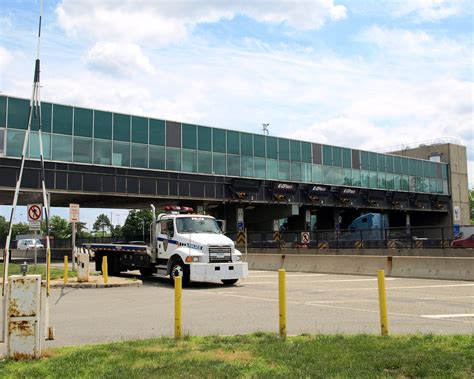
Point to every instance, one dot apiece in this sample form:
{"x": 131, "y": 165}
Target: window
{"x": 327, "y": 155}
{"x": 247, "y": 166}
{"x": 167, "y": 228}
{"x": 283, "y": 170}
{"x": 219, "y": 164}
{"x": 389, "y": 181}
{"x": 233, "y": 165}
{"x": 233, "y": 142}
{"x": 336, "y": 156}
{"x": 218, "y": 141}
{"x": 397, "y": 182}
{"x": 272, "y": 147}
{"x": 204, "y": 138}
{"x": 102, "y": 125}
{"x": 83, "y": 120}
{"x": 15, "y": 140}
{"x": 139, "y": 129}
{"x": 139, "y": 155}
{"x": 259, "y": 146}
{"x": 337, "y": 176}
{"x": 365, "y": 178}
{"x": 404, "y": 181}
{"x": 328, "y": 175}
{"x": 317, "y": 156}
{"x": 364, "y": 157}
{"x": 283, "y": 149}
{"x": 82, "y": 150}
{"x": 102, "y": 152}
{"x": 397, "y": 165}
{"x": 204, "y": 162}
{"x": 432, "y": 169}
{"x": 189, "y": 137}
{"x": 157, "y": 132}
{"x": 295, "y": 150}
{"x": 121, "y": 127}
{"x": 373, "y": 180}
{"x": 412, "y": 167}
{"x": 306, "y": 172}
{"x": 2, "y": 140}
{"x": 62, "y": 148}
{"x": 17, "y": 114}
{"x": 373, "y": 161}
{"x": 272, "y": 169}
{"x": 62, "y": 120}
{"x": 246, "y": 144}
{"x": 173, "y": 134}
{"x": 346, "y": 158}
{"x": 306, "y": 152}
{"x": 356, "y": 178}
{"x": 381, "y": 162}
{"x": 3, "y": 111}
{"x": 189, "y": 161}
{"x": 382, "y": 180}
{"x": 317, "y": 174}
{"x": 121, "y": 154}
{"x": 295, "y": 171}
{"x": 173, "y": 159}
{"x": 259, "y": 167}
{"x": 347, "y": 177}
{"x": 389, "y": 163}
{"x": 46, "y": 113}
{"x": 157, "y": 157}
{"x": 419, "y": 168}
{"x": 405, "y": 169}
{"x": 34, "y": 145}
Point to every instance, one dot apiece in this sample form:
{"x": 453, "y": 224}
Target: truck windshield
{"x": 197, "y": 225}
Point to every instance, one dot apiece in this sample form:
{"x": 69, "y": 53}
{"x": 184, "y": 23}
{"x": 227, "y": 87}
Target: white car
{"x": 29, "y": 244}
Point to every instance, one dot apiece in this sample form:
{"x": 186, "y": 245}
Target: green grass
{"x": 56, "y": 273}
{"x": 258, "y": 356}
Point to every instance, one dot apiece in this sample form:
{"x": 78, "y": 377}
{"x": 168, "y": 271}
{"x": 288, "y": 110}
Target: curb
{"x": 60, "y": 284}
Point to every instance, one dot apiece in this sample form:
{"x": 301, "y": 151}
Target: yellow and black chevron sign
{"x": 419, "y": 244}
{"x": 391, "y": 244}
{"x": 323, "y": 245}
{"x": 276, "y": 236}
{"x": 444, "y": 244}
{"x": 240, "y": 240}
{"x": 358, "y": 244}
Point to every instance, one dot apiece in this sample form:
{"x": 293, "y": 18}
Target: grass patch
{"x": 56, "y": 273}
{"x": 258, "y": 355}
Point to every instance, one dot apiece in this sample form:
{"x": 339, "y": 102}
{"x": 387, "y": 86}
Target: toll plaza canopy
{"x": 101, "y": 138}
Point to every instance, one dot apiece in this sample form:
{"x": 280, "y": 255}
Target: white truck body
{"x": 189, "y": 245}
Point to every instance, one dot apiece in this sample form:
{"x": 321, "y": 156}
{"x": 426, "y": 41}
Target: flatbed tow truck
{"x": 182, "y": 244}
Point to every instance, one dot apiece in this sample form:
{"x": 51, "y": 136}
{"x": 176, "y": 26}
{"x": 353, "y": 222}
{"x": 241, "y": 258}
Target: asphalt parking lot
{"x": 316, "y": 303}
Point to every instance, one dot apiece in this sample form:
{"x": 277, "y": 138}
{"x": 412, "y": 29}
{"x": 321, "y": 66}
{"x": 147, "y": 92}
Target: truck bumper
{"x": 204, "y": 272}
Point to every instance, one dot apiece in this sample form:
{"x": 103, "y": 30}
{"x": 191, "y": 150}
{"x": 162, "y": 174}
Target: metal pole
{"x": 36, "y": 254}
{"x": 382, "y": 303}
{"x": 282, "y": 302}
{"x": 177, "y": 307}
{"x": 73, "y": 261}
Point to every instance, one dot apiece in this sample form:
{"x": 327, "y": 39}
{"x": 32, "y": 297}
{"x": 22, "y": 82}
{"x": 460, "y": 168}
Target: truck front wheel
{"x": 229, "y": 282}
{"x": 178, "y": 268}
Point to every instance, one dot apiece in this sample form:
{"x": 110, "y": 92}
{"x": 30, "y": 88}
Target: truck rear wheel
{"x": 178, "y": 268}
{"x": 229, "y": 282}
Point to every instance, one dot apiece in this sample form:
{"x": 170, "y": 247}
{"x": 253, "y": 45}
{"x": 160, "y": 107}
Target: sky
{"x": 367, "y": 74}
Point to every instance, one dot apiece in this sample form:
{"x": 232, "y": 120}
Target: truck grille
{"x": 220, "y": 254}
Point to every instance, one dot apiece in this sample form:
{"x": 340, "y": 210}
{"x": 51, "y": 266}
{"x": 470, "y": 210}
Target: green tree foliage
{"x": 20, "y": 228}
{"x": 133, "y": 227}
{"x": 117, "y": 231}
{"x": 58, "y": 227}
{"x": 471, "y": 205}
{"x": 101, "y": 223}
{"x": 3, "y": 228}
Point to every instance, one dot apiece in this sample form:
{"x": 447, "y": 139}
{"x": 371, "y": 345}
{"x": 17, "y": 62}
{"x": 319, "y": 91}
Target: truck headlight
{"x": 192, "y": 258}
{"x": 238, "y": 258}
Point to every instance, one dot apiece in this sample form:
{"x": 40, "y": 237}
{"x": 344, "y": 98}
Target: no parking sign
{"x": 305, "y": 237}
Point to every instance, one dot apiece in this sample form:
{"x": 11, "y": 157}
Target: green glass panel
{"x": 412, "y": 183}
{"x": 157, "y": 157}
{"x": 397, "y": 165}
{"x": 62, "y": 148}
{"x": 218, "y": 140}
{"x": 219, "y": 163}
{"x": 204, "y": 138}
{"x": 82, "y": 150}
{"x": 284, "y": 170}
{"x": 121, "y": 154}
{"x": 381, "y": 162}
{"x": 404, "y": 181}
{"x": 233, "y": 164}
{"x": 15, "y": 140}
{"x": 189, "y": 161}
{"x": 173, "y": 159}
{"x": 433, "y": 187}
{"x": 356, "y": 178}
{"x": 102, "y": 125}
{"x": 382, "y": 180}
{"x": 306, "y": 172}
{"x": 34, "y": 146}
{"x": 121, "y": 127}
{"x": 397, "y": 182}
{"x": 364, "y": 157}
{"x": 419, "y": 168}
{"x": 272, "y": 169}
{"x": 337, "y": 176}
{"x": 259, "y": 146}
{"x": 18, "y": 113}
{"x": 445, "y": 187}
{"x": 139, "y": 129}
{"x": 389, "y": 163}
{"x": 246, "y": 145}
{"x": 83, "y": 120}
{"x": 295, "y": 151}
{"x": 432, "y": 170}
{"x": 295, "y": 171}
{"x": 259, "y": 167}
{"x": 189, "y": 137}
{"x": 444, "y": 171}
{"x": 3, "y": 111}
{"x": 405, "y": 164}
{"x": 373, "y": 180}
{"x": 439, "y": 186}
{"x": 272, "y": 147}
{"x": 247, "y": 166}
{"x": 46, "y": 112}
{"x": 62, "y": 120}
{"x": 389, "y": 181}
{"x": 157, "y": 132}
{"x": 336, "y": 156}
{"x": 233, "y": 143}
{"x": 426, "y": 169}
{"x": 317, "y": 174}
{"x": 373, "y": 161}
{"x": 102, "y": 152}
{"x": 347, "y": 177}
{"x": 328, "y": 175}
{"x": 327, "y": 155}
{"x": 139, "y": 155}
{"x": 412, "y": 167}
{"x": 365, "y": 178}
{"x": 283, "y": 149}
{"x": 422, "y": 184}
{"x": 205, "y": 161}
{"x": 306, "y": 152}
{"x": 346, "y": 158}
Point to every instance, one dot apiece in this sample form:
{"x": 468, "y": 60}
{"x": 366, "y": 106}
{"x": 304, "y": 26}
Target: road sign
{"x": 34, "y": 212}
{"x": 240, "y": 226}
{"x": 304, "y": 237}
{"x": 74, "y": 213}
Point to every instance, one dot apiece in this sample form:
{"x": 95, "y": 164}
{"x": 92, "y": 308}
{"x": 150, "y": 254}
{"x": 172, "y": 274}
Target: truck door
{"x": 166, "y": 234}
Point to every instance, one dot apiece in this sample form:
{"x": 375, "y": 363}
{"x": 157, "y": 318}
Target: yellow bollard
{"x": 105, "y": 269}
{"x": 66, "y": 268}
{"x": 383, "y": 303}
{"x": 282, "y": 301}
{"x": 177, "y": 307}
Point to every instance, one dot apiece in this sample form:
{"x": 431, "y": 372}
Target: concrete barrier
{"x": 433, "y": 268}
{"x": 408, "y": 267}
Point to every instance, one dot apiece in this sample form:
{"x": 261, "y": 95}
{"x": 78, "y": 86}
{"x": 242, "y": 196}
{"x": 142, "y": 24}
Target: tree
{"x": 471, "y": 205}
{"x": 20, "y": 228}
{"x": 101, "y": 223}
{"x": 58, "y": 228}
{"x": 3, "y": 228}
{"x": 137, "y": 223}
{"x": 117, "y": 231}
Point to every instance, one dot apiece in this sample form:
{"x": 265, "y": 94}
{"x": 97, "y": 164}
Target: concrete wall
{"x": 409, "y": 267}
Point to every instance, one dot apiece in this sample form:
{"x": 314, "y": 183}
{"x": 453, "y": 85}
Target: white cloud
{"x": 162, "y": 22}
{"x": 118, "y": 59}
{"x": 429, "y": 10}
{"x": 5, "y": 58}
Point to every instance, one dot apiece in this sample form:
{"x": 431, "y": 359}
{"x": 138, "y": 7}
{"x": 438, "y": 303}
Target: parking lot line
{"x": 322, "y": 281}
{"x": 449, "y": 315}
{"x": 287, "y": 275}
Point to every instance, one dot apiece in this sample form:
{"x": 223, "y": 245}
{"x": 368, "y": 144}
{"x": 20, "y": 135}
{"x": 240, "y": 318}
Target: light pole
{"x": 143, "y": 229}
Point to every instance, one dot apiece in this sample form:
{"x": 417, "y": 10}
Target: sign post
{"x": 73, "y": 218}
{"x": 34, "y": 212}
